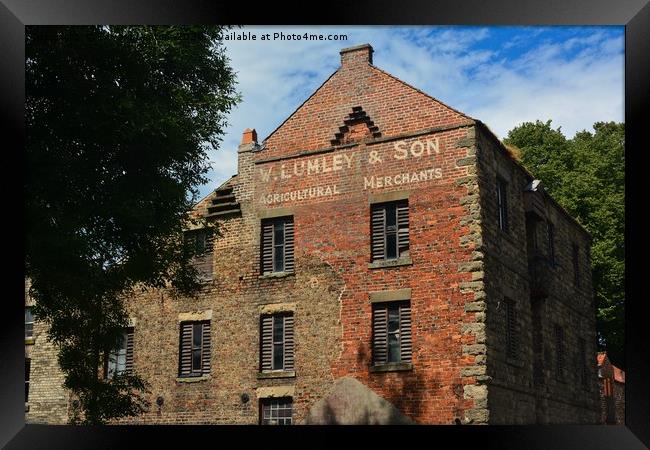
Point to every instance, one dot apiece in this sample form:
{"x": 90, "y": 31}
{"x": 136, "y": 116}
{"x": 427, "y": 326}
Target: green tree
{"x": 119, "y": 120}
{"x": 586, "y": 175}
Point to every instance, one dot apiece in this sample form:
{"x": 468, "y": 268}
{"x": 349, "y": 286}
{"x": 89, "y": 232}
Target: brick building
{"x": 380, "y": 258}
{"x": 611, "y": 383}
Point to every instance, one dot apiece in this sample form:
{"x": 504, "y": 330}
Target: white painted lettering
{"x": 400, "y": 152}
{"x": 417, "y": 148}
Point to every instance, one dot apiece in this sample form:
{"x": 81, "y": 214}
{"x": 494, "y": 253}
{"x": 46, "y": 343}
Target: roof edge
{"x": 530, "y": 175}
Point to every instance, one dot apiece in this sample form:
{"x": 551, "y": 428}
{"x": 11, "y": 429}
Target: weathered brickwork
{"x": 517, "y": 394}
{"x": 366, "y": 137}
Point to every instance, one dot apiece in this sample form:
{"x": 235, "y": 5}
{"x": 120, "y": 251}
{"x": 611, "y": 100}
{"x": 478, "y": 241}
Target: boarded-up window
{"x": 390, "y": 230}
{"x": 277, "y": 342}
{"x": 502, "y": 204}
{"x": 194, "y": 349}
{"x": 120, "y": 360}
{"x": 200, "y": 244}
{"x": 276, "y": 411}
{"x": 512, "y": 344}
{"x": 277, "y": 245}
{"x": 391, "y": 333}
{"x": 559, "y": 352}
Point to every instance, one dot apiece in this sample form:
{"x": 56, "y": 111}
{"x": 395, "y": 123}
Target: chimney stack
{"x": 359, "y": 54}
{"x": 249, "y": 137}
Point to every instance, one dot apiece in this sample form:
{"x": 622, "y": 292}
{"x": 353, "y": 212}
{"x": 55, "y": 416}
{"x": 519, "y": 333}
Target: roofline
{"x": 299, "y": 106}
{"x": 529, "y": 174}
{"x": 212, "y": 191}
{"x": 421, "y": 92}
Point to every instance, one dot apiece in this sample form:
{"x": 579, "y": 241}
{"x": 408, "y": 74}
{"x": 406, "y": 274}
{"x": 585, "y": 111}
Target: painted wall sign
{"x": 419, "y": 149}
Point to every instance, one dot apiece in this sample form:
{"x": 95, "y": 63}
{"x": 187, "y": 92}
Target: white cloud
{"x": 574, "y": 82}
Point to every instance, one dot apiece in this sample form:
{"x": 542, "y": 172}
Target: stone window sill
{"x": 192, "y": 379}
{"x": 391, "y": 263}
{"x": 276, "y": 374}
{"x": 392, "y": 367}
{"x": 276, "y": 275}
{"x": 29, "y": 341}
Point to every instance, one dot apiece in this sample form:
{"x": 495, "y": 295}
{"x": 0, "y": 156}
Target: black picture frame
{"x": 633, "y": 14}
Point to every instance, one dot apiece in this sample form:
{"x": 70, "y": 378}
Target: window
{"x": 120, "y": 359}
{"x": 194, "y": 349}
{"x": 582, "y": 361}
{"x": 200, "y": 244}
{"x": 29, "y": 323}
{"x": 390, "y": 230}
{"x": 502, "y": 204}
{"x": 576, "y": 265}
{"x": 277, "y": 245}
{"x": 391, "y": 333}
{"x": 276, "y": 411}
{"x": 28, "y": 365}
{"x": 276, "y": 352}
{"x": 559, "y": 352}
{"x": 550, "y": 235}
{"x": 511, "y": 329}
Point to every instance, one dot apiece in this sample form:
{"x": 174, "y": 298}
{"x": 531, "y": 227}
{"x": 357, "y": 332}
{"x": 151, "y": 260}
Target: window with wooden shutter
{"x": 194, "y": 353}
{"x": 120, "y": 360}
{"x": 391, "y": 333}
{"x": 276, "y": 342}
{"x": 277, "y": 242}
{"x": 201, "y": 243}
{"x": 389, "y": 230}
{"x": 512, "y": 344}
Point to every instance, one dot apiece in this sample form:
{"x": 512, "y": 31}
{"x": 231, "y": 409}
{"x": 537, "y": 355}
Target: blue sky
{"x": 502, "y": 76}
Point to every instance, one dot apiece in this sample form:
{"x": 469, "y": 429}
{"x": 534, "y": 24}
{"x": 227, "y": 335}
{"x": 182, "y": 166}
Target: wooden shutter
{"x": 129, "y": 351}
{"x": 205, "y": 348}
{"x": 267, "y": 247}
{"x": 406, "y": 347}
{"x": 402, "y": 228}
{"x": 266, "y": 343}
{"x": 185, "y": 352}
{"x": 378, "y": 229}
{"x": 288, "y": 342}
{"x": 380, "y": 335}
{"x": 288, "y": 245}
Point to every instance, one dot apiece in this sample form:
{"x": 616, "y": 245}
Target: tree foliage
{"x": 119, "y": 120}
{"x": 586, "y": 175}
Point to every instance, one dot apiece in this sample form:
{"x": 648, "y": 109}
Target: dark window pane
{"x": 393, "y": 319}
{"x": 278, "y": 233}
{"x": 29, "y": 316}
{"x": 196, "y": 360}
{"x": 393, "y": 348}
{"x": 391, "y": 245}
{"x": 197, "y": 330}
{"x": 278, "y": 329}
{"x": 278, "y": 258}
{"x": 278, "y": 356}
{"x": 391, "y": 215}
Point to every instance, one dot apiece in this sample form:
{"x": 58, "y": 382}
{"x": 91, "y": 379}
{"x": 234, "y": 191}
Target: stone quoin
{"x": 380, "y": 258}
